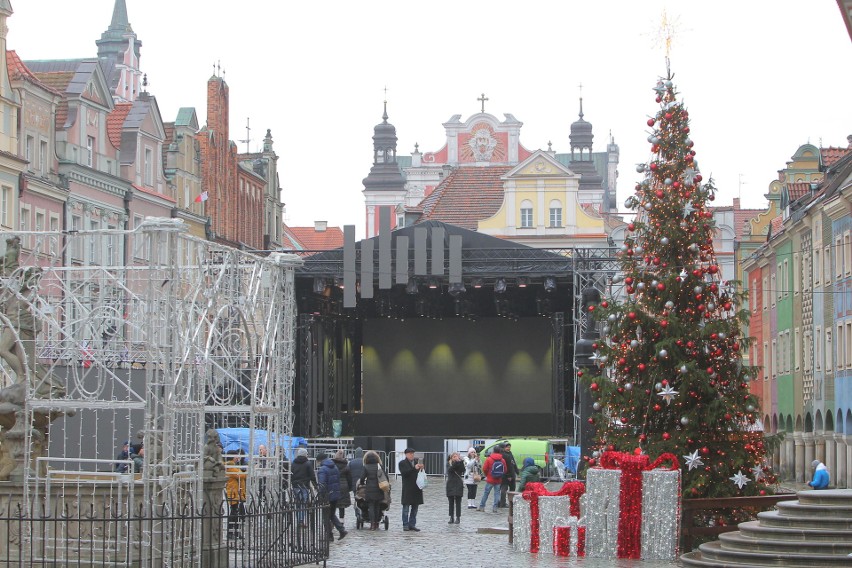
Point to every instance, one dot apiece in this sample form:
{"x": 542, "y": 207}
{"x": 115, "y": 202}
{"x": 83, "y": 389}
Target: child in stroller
{"x": 362, "y": 507}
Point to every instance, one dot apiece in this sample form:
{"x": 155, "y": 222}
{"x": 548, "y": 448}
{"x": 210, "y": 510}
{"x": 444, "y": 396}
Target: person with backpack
{"x": 494, "y": 469}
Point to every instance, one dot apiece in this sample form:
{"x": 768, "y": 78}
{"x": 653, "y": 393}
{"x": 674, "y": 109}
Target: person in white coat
{"x": 472, "y": 476}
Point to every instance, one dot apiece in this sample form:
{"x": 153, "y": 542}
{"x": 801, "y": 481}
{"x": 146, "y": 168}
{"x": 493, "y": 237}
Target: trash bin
{"x": 337, "y": 428}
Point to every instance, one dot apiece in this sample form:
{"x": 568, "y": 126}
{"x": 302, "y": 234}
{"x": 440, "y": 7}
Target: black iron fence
{"x": 281, "y": 530}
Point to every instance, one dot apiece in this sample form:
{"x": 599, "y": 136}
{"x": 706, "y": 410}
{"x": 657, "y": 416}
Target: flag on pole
{"x": 201, "y": 198}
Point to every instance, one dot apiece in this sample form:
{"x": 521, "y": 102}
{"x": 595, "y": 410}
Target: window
{"x": 111, "y": 257}
{"x": 76, "y": 249}
{"x": 765, "y": 294}
{"x": 776, "y": 293}
{"x": 847, "y": 254}
{"x": 6, "y": 206}
{"x": 838, "y": 257}
{"x": 42, "y": 158}
{"x": 149, "y": 167}
{"x": 826, "y": 264}
{"x": 817, "y": 267}
{"x": 24, "y": 221}
{"x": 526, "y": 215}
{"x": 90, "y": 150}
{"x": 797, "y": 273}
{"x": 753, "y": 295}
{"x": 796, "y": 355}
{"x": 785, "y": 278}
{"x": 847, "y": 353}
{"x": 54, "y": 228}
{"x": 555, "y": 213}
{"x": 807, "y": 352}
{"x": 818, "y": 351}
{"x": 94, "y": 242}
{"x": 39, "y": 226}
{"x": 774, "y": 355}
{"x": 829, "y": 353}
{"x": 767, "y": 366}
{"x": 29, "y": 153}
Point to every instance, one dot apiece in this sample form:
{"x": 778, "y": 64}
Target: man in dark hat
{"x": 412, "y": 496}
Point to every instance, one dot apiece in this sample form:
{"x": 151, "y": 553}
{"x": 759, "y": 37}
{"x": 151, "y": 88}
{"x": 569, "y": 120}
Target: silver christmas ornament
{"x": 639, "y": 250}
{"x": 722, "y": 335}
{"x": 684, "y": 420}
{"x": 634, "y": 344}
{"x": 663, "y": 354}
{"x": 628, "y": 386}
{"x": 611, "y": 317}
{"x": 640, "y": 168}
{"x": 658, "y": 386}
{"x": 711, "y": 306}
{"x": 669, "y": 305}
{"x": 683, "y": 370}
{"x": 698, "y": 289}
{"x": 750, "y": 408}
{"x": 664, "y": 241}
{"x": 667, "y": 181}
{"x": 605, "y": 329}
{"x": 693, "y": 247}
{"x": 640, "y": 286}
{"x": 655, "y": 283}
{"x": 596, "y": 406}
{"x": 648, "y": 206}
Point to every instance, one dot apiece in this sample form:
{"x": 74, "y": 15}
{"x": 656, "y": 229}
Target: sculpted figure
{"x": 213, "y": 462}
{"x": 10, "y": 259}
{"x": 16, "y": 348}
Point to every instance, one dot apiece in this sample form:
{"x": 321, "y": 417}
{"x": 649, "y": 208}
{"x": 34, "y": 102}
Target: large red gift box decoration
{"x": 538, "y": 511}
{"x": 632, "y": 507}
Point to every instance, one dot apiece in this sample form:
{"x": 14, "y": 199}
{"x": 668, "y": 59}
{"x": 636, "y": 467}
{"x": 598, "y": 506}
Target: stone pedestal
{"x": 789, "y": 465}
{"x": 214, "y": 551}
{"x": 831, "y": 457}
{"x": 819, "y": 446}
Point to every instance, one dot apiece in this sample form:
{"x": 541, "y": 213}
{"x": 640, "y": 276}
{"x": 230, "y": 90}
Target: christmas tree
{"x": 669, "y": 375}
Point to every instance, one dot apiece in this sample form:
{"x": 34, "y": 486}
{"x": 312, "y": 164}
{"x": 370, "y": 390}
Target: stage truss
{"x": 149, "y": 336}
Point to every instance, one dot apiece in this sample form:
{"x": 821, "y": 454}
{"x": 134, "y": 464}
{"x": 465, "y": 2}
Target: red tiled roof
{"x": 743, "y": 215}
{"x": 61, "y": 114}
{"x": 466, "y": 196}
{"x": 17, "y": 70}
{"x": 832, "y": 154}
{"x": 57, "y": 80}
{"x": 777, "y": 223}
{"x": 115, "y": 122}
{"x": 798, "y": 189}
{"x": 311, "y": 239}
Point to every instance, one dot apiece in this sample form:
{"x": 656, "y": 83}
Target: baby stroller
{"x": 362, "y": 508}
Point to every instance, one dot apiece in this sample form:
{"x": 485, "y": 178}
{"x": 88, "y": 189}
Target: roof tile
{"x": 466, "y": 196}
{"x": 115, "y": 122}
{"x": 831, "y": 154}
{"x": 18, "y": 70}
{"x": 311, "y": 239}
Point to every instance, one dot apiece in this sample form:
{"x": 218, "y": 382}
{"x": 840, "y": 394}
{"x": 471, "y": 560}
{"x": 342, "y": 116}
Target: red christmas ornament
{"x": 661, "y": 286}
{"x": 657, "y": 407}
{"x": 666, "y": 435}
{"x": 628, "y": 280}
{"x": 705, "y": 450}
{"x": 579, "y": 373}
{"x": 653, "y": 166}
{"x": 641, "y": 367}
{"x": 631, "y": 227}
{"x": 668, "y": 116}
{"x": 651, "y": 122}
{"x": 631, "y": 315}
{"x": 664, "y": 323}
{"x": 605, "y": 304}
{"x": 594, "y": 386}
{"x": 591, "y": 308}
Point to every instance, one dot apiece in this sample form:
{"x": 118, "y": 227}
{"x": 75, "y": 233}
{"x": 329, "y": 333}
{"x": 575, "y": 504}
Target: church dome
{"x": 581, "y": 132}
{"x": 384, "y": 134}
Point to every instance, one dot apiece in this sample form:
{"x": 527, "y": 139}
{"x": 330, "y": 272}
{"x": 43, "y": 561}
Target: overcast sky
{"x": 759, "y": 77}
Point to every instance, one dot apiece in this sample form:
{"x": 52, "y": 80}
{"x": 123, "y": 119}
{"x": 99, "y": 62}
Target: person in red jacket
{"x": 494, "y": 469}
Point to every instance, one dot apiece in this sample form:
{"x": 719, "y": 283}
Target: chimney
{"x": 736, "y": 203}
{"x": 320, "y": 226}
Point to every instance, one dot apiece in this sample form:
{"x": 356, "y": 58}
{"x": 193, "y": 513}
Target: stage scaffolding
{"x": 148, "y": 336}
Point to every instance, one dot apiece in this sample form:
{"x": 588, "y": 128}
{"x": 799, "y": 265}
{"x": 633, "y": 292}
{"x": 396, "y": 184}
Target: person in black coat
{"x": 511, "y": 476}
{"x": 455, "y": 485}
{"x": 302, "y": 478}
{"x": 328, "y": 479}
{"x": 346, "y": 485}
{"x": 372, "y": 494}
{"x": 412, "y": 496}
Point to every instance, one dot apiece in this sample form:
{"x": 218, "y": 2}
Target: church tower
{"x": 118, "y": 51}
{"x": 384, "y": 187}
{"x": 581, "y": 159}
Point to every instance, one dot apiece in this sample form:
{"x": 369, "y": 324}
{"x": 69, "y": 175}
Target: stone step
{"x": 776, "y": 519}
{"x": 797, "y": 509}
{"x": 814, "y": 531}
{"x": 839, "y": 497}
{"x": 712, "y": 554}
{"x": 737, "y": 541}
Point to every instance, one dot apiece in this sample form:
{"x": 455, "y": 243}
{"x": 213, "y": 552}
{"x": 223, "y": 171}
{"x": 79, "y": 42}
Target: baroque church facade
{"x": 484, "y": 179}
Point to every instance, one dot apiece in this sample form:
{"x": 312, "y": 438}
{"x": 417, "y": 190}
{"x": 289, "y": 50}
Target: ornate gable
{"x": 540, "y": 164}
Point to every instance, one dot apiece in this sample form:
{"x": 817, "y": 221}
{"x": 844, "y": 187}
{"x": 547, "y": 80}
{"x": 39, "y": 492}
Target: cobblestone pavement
{"x": 440, "y": 544}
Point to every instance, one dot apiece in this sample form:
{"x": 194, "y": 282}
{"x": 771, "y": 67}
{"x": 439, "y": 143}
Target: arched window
{"x": 555, "y": 213}
{"x": 526, "y": 214}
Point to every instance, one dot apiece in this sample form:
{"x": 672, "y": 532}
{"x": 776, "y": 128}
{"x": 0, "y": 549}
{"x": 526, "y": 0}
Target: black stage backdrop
{"x": 456, "y": 377}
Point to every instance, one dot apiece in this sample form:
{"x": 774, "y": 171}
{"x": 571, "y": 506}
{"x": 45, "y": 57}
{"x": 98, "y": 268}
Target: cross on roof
{"x": 482, "y": 99}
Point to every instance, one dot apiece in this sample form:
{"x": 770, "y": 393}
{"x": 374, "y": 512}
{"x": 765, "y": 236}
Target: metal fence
{"x": 267, "y": 530}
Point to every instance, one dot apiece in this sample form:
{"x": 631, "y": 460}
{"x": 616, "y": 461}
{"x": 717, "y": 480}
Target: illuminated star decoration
{"x": 688, "y": 177}
{"x": 757, "y": 472}
{"x": 596, "y": 356}
{"x": 668, "y": 393}
{"x": 693, "y": 460}
{"x": 739, "y": 479}
{"x": 660, "y": 88}
{"x": 688, "y": 209}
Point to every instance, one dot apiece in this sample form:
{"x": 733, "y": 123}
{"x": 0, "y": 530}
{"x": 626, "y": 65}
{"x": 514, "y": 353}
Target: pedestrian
{"x": 302, "y": 478}
{"x": 346, "y": 484}
{"x": 494, "y": 469}
{"x": 235, "y": 491}
{"x": 328, "y": 479}
{"x": 531, "y": 473}
{"x": 472, "y": 475}
{"x": 373, "y": 495}
{"x": 510, "y": 478}
{"x": 412, "y": 496}
{"x": 121, "y": 458}
{"x": 356, "y": 465}
{"x": 820, "y": 480}
{"x": 455, "y": 485}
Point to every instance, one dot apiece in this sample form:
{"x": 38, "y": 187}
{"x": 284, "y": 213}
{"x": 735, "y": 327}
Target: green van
{"x": 539, "y": 449}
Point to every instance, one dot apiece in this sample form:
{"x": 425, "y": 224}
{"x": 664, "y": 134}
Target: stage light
{"x": 433, "y": 283}
{"x": 338, "y": 282}
{"x": 319, "y": 285}
{"x": 523, "y": 281}
{"x": 456, "y": 288}
{"x": 476, "y": 282}
{"x": 500, "y": 285}
{"x": 549, "y": 284}
{"x": 412, "y": 287}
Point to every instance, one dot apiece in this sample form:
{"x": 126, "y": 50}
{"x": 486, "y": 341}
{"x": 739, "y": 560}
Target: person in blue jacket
{"x": 328, "y": 479}
{"x": 820, "y": 480}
